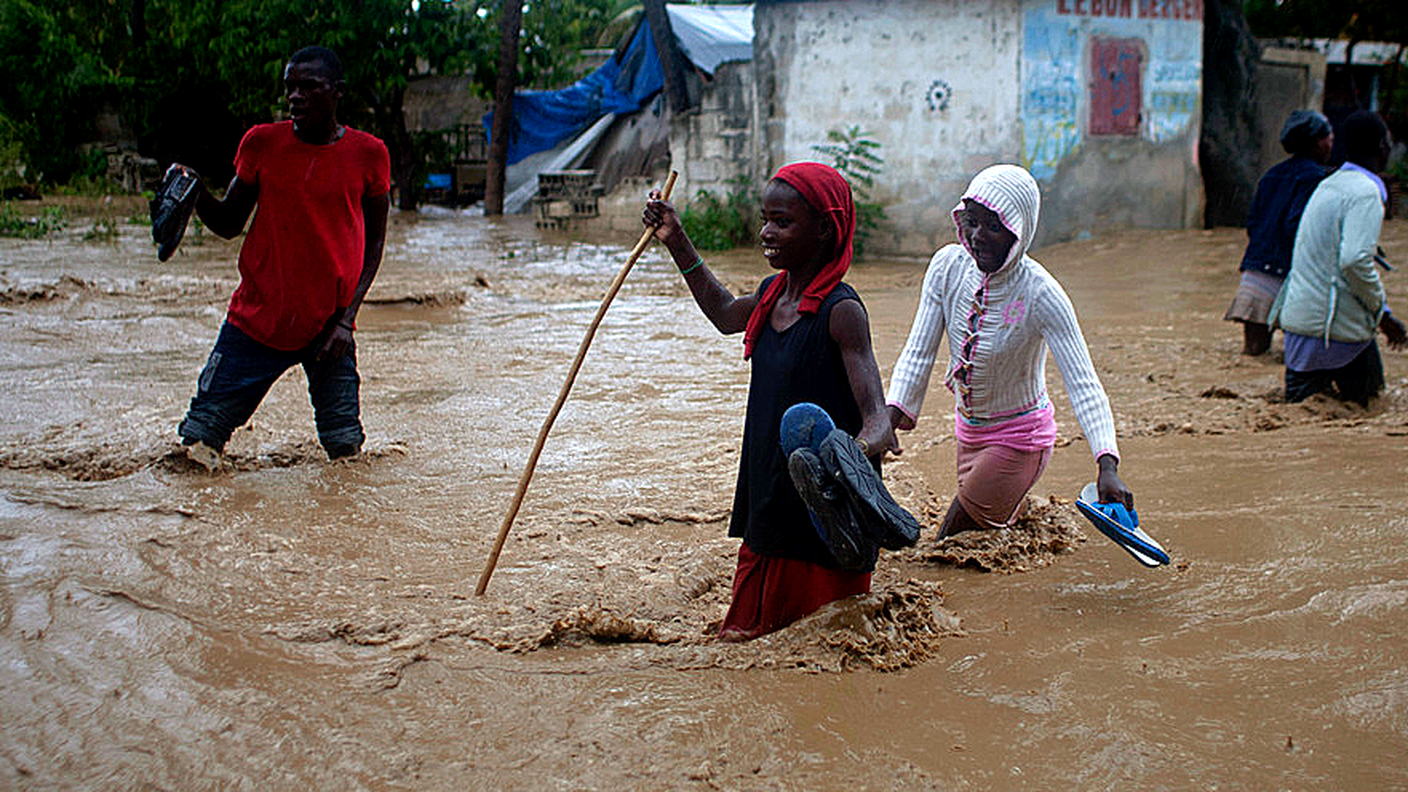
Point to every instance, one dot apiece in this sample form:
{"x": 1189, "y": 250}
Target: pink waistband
{"x": 1031, "y": 431}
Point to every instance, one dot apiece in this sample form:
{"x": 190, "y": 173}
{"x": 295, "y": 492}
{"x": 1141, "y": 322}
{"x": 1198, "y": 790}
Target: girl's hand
{"x": 661, "y": 216}
{"x": 1108, "y": 484}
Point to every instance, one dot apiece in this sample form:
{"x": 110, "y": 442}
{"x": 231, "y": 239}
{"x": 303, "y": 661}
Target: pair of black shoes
{"x": 171, "y": 209}
{"x": 855, "y": 514}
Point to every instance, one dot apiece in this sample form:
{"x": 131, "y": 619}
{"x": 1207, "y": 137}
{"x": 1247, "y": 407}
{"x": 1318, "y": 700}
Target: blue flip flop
{"x": 1121, "y": 525}
{"x": 805, "y": 425}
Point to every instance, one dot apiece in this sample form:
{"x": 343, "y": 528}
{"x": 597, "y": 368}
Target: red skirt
{"x": 770, "y": 593}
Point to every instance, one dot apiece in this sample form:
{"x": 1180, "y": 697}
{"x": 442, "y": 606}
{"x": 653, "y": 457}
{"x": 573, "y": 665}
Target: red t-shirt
{"x": 302, "y": 257}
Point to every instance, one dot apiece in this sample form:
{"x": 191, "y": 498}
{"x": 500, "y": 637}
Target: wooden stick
{"x": 562, "y": 398}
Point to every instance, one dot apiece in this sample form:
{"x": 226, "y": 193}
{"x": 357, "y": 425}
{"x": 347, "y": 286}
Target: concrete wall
{"x": 716, "y": 144}
{"x": 1111, "y": 111}
{"x": 934, "y": 82}
{"x": 1099, "y": 98}
{"x": 713, "y": 147}
{"x": 441, "y": 102}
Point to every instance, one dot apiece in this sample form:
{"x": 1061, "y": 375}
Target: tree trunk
{"x": 403, "y": 154}
{"x": 509, "y": 28}
{"x": 1392, "y": 87}
{"x": 1230, "y": 134}
{"x": 670, "y": 60}
{"x": 137, "y": 20}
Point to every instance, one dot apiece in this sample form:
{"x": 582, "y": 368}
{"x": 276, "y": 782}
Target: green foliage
{"x": 12, "y": 161}
{"x": 14, "y": 224}
{"x": 857, "y": 157}
{"x": 1359, "y": 20}
{"x": 715, "y": 223}
{"x": 552, "y": 34}
{"x": 57, "y": 75}
{"x": 1398, "y": 170}
{"x": 89, "y": 178}
{"x": 190, "y": 76}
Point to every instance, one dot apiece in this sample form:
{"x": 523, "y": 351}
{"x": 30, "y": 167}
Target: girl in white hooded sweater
{"x": 1002, "y": 311}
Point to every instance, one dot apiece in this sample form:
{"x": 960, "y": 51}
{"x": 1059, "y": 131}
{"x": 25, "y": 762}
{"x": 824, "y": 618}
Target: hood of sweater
{"x": 1012, "y": 193}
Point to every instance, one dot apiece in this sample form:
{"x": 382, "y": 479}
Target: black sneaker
{"x": 171, "y": 209}
{"x": 836, "y": 524}
{"x": 885, "y": 522}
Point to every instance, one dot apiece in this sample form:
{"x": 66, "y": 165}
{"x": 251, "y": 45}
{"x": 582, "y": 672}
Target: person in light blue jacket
{"x": 1332, "y": 301}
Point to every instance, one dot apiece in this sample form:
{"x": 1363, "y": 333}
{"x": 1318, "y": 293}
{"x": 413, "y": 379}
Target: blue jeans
{"x": 240, "y": 372}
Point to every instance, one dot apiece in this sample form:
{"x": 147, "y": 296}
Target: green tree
{"x": 53, "y": 76}
{"x": 190, "y": 76}
{"x": 384, "y": 44}
{"x": 1353, "y": 21}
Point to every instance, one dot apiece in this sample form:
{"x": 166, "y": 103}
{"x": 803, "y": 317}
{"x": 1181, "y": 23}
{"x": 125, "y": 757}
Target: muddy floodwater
{"x": 288, "y": 623}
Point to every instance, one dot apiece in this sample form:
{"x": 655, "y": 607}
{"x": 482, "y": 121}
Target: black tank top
{"x": 799, "y": 364}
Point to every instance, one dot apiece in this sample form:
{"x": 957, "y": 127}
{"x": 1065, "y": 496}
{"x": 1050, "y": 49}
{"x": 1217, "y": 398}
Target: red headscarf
{"x": 828, "y": 193}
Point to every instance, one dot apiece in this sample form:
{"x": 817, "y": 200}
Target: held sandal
{"x": 1121, "y": 526}
{"x": 832, "y": 516}
{"x": 886, "y": 522}
{"x": 171, "y": 210}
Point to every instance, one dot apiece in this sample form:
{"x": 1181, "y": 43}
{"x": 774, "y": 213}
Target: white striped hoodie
{"x": 1027, "y": 313}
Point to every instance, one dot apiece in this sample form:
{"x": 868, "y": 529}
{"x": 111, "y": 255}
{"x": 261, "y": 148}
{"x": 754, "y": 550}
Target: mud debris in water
{"x": 290, "y": 622}
{"x": 65, "y": 287}
{"x": 1045, "y": 531}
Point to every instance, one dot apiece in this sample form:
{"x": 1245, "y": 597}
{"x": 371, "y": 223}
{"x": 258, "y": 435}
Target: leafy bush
{"x": 857, "y": 158}
{"x": 12, "y": 167}
{"x": 13, "y": 224}
{"x": 715, "y": 223}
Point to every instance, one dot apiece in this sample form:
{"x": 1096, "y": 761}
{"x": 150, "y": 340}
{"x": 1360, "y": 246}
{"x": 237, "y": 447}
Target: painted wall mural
{"x": 1094, "y": 68}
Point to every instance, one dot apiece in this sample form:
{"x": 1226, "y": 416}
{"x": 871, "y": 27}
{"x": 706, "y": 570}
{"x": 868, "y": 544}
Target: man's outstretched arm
{"x": 226, "y": 217}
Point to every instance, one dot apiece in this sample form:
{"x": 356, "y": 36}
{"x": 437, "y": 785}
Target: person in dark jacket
{"x": 1271, "y": 227}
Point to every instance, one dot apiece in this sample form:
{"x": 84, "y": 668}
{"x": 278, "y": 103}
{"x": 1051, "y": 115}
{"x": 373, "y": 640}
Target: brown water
{"x": 287, "y": 622}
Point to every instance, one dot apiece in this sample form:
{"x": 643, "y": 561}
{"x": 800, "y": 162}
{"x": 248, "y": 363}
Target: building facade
{"x": 1100, "y": 99}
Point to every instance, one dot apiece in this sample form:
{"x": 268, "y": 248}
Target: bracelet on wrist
{"x": 693, "y": 267}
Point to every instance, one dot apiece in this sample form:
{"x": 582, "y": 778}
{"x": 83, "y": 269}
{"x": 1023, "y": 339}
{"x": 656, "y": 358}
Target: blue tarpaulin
{"x": 543, "y": 119}
{"x": 708, "y": 36}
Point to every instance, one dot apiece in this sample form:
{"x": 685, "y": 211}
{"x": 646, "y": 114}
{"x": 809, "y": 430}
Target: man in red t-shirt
{"x": 310, "y": 255}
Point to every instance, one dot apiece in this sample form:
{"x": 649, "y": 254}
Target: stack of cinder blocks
{"x": 564, "y": 196}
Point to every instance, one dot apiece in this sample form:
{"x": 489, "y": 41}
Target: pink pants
{"x": 993, "y": 480}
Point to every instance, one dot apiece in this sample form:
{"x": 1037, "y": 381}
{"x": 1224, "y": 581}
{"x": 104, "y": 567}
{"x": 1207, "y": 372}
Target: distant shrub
{"x": 715, "y": 223}
{"x": 857, "y": 158}
{"x": 14, "y": 224}
{"x": 104, "y": 229}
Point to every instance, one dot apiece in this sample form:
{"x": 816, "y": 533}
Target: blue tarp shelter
{"x": 707, "y": 35}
